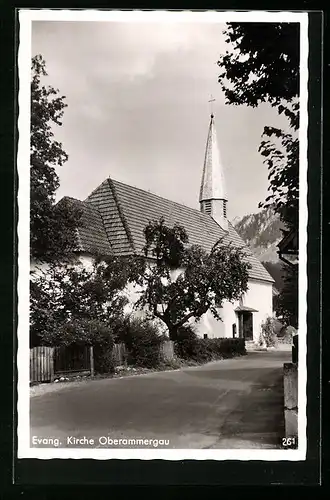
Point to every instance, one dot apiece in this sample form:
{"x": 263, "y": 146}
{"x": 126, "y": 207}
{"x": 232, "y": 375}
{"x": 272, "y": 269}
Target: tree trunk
{"x": 173, "y": 332}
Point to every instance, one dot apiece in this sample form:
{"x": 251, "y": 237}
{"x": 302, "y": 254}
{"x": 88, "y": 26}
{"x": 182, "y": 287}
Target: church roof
{"x": 116, "y": 214}
{"x": 92, "y": 236}
{"x": 213, "y": 185}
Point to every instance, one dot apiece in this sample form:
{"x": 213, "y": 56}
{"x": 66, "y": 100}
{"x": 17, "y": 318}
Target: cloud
{"x": 122, "y": 50}
{"x": 137, "y": 109}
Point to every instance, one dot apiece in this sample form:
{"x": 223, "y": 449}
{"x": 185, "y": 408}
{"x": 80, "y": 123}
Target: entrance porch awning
{"x": 245, "y": 309}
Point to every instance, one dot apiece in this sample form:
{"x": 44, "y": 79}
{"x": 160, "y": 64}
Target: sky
{"x": 138, "y": 109}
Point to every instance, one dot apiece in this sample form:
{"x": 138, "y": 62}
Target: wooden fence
{"x": 119, "y": 354}
{"x": 166, "y": 352}
{"x": 72, "y": 359}
{"x": 42, "y": 364}
{"x": 49, "y": 363}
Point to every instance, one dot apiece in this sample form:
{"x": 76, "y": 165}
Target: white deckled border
{"x": 23, "y": 229}
{"x": 26, "y": 17}
{"x": 185, "y": 16}
{"x": 161, "y": 454}
{"x": 303, "y": 220}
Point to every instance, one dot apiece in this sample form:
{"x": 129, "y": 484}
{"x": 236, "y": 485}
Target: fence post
{"x": 295, "y": 349}
{"x": 290, "y": 383}
{"x": 51, "y": 364}
{"x": 91, "y": 353}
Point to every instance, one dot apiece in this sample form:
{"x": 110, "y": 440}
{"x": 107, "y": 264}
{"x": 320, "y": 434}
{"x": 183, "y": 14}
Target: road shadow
{"x": 259, "y": 420}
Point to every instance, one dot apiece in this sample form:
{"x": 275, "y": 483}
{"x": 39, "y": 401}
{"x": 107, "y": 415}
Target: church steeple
{"x": 213, "y": 196}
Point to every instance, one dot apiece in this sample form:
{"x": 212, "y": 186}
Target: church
{"x": 115, "y": 214}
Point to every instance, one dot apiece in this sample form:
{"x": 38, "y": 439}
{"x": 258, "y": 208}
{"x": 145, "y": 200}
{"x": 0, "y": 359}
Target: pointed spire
{"x": 213, "y": 181}
{"x": 213, "y": 194}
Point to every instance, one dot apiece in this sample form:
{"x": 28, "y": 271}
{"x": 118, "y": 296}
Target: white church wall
{"x": 86, "y": 260}
{"x": 41, "y": 267}
{"x": 215, "y": 328}
{"x": 208, "y": 325}
{"x": 260, "y": 297}
{"x": 132, "y": 293}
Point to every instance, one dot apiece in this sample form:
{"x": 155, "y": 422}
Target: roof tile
{"x": 92, "y": 236}
{"x": 139, "y": 207}
{"x": 125, "y": 211}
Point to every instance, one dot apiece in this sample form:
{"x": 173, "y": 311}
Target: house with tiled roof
{"x": 115, "y": 215}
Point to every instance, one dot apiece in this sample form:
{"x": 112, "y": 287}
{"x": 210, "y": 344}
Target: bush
{"x": 103, "y": 342}
{"x": 206, "y": 350}
{"x": 141, "y": 340}
{"x": 186, "y": 345}
{"x": 82, "y": 332}
{"x": 268, "y": 333}
{"x": 228, "y": 347}
{"x": 190, "y": 347}
{"x": 287, "y": 335}
{"x": 290, "y": 332}
{"x": 103, "y": 358}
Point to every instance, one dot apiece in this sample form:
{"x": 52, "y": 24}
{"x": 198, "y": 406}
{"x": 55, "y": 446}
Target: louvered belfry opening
{"x": 206, "y": 207}
{"x": 225, "y": 208}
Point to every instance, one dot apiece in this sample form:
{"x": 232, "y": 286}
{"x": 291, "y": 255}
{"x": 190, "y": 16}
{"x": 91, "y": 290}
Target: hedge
{"x": 142, "y": 341}
{"x": 190, "y": 346}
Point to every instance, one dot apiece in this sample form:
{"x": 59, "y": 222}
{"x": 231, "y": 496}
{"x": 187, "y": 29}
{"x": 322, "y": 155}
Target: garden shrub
{"x": 186, "y": 346}
{"x": 120, "y": 327}
{"x": 232, "y": 347}
{"x": 278, "y": 327}
{"x": 206, "y": 350}
{"x": 85, "y": 332}
{"x": 190, "y": 347}
{"x": 103, "y": 357}
{"x": 142, "y": 342}
{"x": 103, "y": 343}
{"x": 289, "y": 333}
{"x": 268, "y": 334}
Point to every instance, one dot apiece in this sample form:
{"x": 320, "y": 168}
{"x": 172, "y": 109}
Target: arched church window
{"x": 234, "y": 330}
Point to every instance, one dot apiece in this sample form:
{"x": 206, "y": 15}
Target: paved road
{"x": 234, "y": 403}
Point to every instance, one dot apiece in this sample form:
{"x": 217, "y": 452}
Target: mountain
{"x": 261, "y": 232}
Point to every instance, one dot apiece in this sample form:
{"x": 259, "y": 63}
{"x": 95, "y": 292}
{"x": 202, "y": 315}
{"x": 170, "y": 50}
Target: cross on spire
{"x": 211, "y": 100}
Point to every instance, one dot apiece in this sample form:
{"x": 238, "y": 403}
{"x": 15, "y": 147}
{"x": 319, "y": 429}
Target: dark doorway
{"x": 245, "y": 325}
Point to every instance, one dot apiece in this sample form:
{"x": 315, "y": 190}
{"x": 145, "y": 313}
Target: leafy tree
{"x": 281, "y": 154}
{"x": 264, "y": 67}
{"x": 187, "y": 282}
{"x": 71, "y": 303}
{"x": 287, "y": 301}
{"x": 52, "y": 226}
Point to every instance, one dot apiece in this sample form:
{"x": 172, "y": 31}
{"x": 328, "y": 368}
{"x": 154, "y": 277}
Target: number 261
{"x": 288, "y": 441}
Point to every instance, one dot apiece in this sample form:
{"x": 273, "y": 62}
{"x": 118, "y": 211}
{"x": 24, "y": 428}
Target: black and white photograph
{"x": 162, "y": 232}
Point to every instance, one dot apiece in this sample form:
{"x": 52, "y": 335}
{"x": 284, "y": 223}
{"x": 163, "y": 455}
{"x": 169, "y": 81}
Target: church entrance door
{"x": 246, "y": 325}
